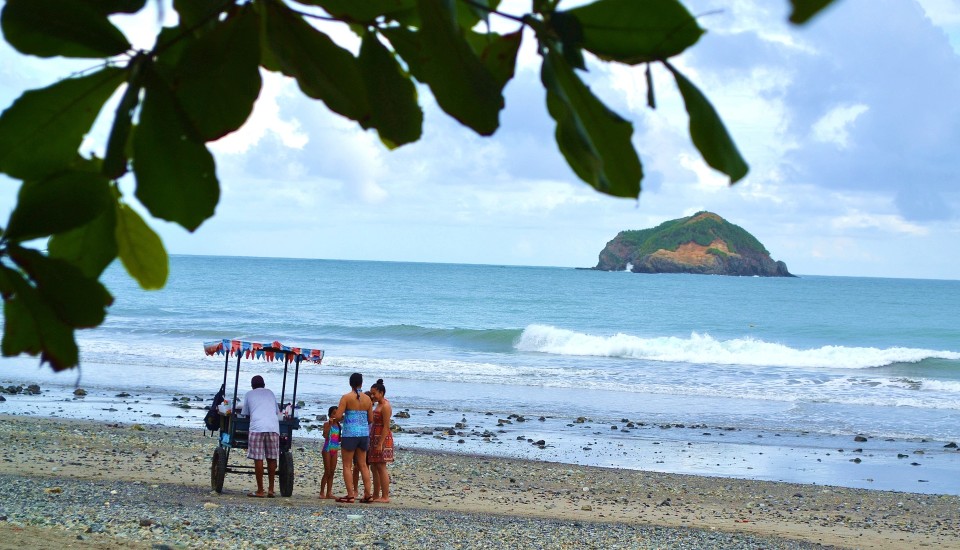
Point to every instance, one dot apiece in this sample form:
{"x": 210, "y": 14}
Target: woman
{"x": 381, "y": 442}
{"x": 355, "y": 412}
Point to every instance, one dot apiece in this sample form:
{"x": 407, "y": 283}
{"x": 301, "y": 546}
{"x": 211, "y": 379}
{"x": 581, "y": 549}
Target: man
{"x": 263, "y": 441}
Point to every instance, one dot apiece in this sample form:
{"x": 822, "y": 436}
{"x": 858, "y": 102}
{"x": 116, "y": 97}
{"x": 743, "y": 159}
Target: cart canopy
{"x": 257, "y": 350}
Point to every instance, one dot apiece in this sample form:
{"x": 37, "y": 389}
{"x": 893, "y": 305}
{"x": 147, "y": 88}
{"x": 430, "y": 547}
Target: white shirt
{"x": 261, "y": 406}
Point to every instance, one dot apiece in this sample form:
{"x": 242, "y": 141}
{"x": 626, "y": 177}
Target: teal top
{"x": 355, "y": 424}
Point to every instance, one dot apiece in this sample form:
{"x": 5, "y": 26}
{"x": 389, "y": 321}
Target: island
{"x": 703, "y": 243}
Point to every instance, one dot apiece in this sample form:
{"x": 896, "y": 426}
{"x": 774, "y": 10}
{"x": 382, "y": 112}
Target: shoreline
{"x": 168, "y": 468}
{"x": 853, "y": 460}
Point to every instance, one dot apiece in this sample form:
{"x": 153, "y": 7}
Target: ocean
{"x": 767, "y": 378}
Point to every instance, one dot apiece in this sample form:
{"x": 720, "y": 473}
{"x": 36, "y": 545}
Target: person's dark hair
{"x": 331, "y": 410}
{"x": 380, "y": 387}
{"x": 257, "y": 382}
{"x": 356, "y": 381}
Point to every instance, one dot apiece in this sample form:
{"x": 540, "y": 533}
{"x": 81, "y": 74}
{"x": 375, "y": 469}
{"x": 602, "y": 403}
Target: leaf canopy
{"x": 77, "y": 300}
{"x": 632, "y": 32}
{"x": 30, "y": 325}
{"x": 594, "y": 140}
{"x": 41, "y": 132}
{"x": 216, "y": 78}
{"x": 708, "y": 132}
{"x": 68, "y": 28}
{"x": 439, "y": 56}
{"x": 56, "y": 204}
{"x": 140, "y": 249}
{"x": 361, "y": 12}
{"x": 323, "y": 70}
{"x": 176, "y": 174}
{"x": 395, "y": 112}
{"x": 805, "y": 10}
{"x": 90, "y": 247}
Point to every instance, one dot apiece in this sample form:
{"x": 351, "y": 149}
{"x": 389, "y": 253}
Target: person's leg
{"x": 272, "y": 451}
{"x": 364, "y": 473}
{"x": 271, "y": 471}
{"x": 326, "y": 471}
{"x": 258, "y": 470}
{"x": 375, "y": 478}
{"x": 384, "y": 479}
{"x": 333, "y": 473}
{"x": 348, "y": 473}
{"x": 356, "y": 475}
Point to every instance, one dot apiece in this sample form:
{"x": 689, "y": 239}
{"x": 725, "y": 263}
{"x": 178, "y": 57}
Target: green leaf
{"x": 324, "y": 70}
{"x": 71, "y": 28}
{"x": 77, "y": 300}
{"x": 56, "y": 204}
{"x": 633, "y": 32}
{"x": 569, "y": 31}
{"x": 176, "y": 174}
{"x": 471, "y": 13}
{"x": 217, "y": 77}
{"x": 497, "y": 52}
{"x": 91, "y": 247}
{"x": 194, "y": 12}
{"x": 804, "y": 10}
{"x": 594, "y": 140}
{"x": 366, "y": 11}
{"x": 439, "y": 56}
{"x": 109, "y": 7}
{"x": 30, "y": 326}
{"x": 393, "y": 96}
{"x": 41, "y": 132}
{"x": 708, "y": 132}
{"x": 115, "y": 160}
{"x": 141, "y": 250}
{"x": 20, "y": 334}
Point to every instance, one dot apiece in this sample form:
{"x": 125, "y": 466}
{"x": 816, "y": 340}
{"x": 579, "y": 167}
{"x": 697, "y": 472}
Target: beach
{"x": 779, "y": 413}
{"x": 81, "y": 483}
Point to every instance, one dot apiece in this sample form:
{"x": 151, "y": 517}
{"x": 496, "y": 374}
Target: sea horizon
{"x": 495, "y": 264}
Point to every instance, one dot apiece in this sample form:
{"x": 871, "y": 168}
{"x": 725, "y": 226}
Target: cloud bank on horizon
{"x": 850, "y": 124}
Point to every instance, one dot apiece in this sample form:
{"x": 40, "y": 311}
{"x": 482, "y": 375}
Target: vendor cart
{"x": 234, "y": 427}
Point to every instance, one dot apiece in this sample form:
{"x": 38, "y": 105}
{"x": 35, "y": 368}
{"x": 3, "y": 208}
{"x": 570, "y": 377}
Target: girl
{"x": 381, "y": 442}
{"x": 331, "y": 444}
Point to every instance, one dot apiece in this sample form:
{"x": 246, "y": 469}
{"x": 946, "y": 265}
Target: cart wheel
{"x": 218, "y": 469}
{"x": 286, "y": 474}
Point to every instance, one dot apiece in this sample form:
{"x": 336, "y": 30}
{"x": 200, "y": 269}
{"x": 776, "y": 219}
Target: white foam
{"x": 704, "y": 349}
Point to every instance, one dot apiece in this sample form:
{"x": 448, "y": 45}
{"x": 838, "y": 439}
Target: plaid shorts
{"x": 262, "y": 445}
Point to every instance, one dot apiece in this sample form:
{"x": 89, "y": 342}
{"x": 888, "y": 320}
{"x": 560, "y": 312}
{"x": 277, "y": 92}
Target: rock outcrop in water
{"x": 703, "y": 243}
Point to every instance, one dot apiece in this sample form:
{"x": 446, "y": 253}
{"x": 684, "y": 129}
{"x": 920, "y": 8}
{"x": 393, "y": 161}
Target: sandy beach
{"x": 89, "y": 484}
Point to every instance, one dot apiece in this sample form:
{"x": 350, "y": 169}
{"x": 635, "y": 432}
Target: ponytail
{"x": 356, "y": 382}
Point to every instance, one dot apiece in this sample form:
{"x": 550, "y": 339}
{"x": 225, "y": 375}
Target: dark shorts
{"x": 354, "y": 443}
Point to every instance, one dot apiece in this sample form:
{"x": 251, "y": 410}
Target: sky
{"x": 850, "y": 124}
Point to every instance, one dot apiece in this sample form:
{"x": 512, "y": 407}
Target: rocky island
{"x": 703, "y": 243}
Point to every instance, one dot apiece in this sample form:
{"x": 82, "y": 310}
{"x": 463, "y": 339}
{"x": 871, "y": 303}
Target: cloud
{"x": 850, "y": 126}
{"x": 834, "y": 127}
{"x": 885, "y": 223}
{"x": 266, "y": 118}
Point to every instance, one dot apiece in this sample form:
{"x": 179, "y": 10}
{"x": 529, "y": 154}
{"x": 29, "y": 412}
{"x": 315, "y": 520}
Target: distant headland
{"x": 703, "y": 243}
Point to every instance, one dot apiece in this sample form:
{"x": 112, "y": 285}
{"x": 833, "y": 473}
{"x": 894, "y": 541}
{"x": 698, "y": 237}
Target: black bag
{"x": 212, "y": 419}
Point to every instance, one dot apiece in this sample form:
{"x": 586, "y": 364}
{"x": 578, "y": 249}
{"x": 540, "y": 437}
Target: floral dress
{"x": 386, "y": 453}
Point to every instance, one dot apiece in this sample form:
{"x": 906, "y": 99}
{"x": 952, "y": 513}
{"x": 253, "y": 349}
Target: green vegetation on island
{"x": 702, "y": 243}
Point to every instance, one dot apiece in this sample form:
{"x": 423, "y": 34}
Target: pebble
{"x": 185, "y": 514}
{"x": 172, "y": 516}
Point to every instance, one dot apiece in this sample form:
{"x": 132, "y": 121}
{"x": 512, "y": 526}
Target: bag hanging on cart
{"x": 212, "y": 419}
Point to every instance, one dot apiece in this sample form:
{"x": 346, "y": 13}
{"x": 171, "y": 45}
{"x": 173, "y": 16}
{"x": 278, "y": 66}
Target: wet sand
{"x": 43, "y": 454}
